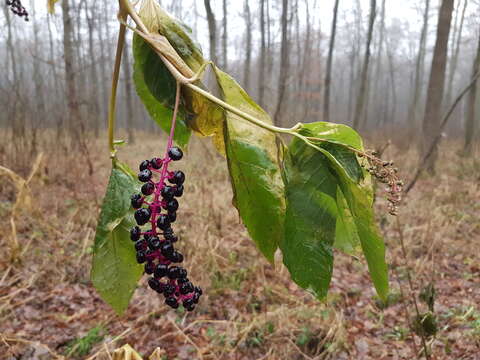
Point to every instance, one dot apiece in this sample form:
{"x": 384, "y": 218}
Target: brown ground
{"x": 250, "y": 310}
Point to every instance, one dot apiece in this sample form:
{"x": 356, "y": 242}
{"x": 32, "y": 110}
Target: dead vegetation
{"x": 48, "y": 308}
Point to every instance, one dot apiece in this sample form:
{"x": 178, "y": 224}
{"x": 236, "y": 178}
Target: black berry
{"x": 182, "y": 273}
{"x": 144, "y": 175}
{"x": 149, "y": 267}
{"x": 156, "y": 163}
{"x": 154, "y": 243}
{"x": 163, "y": 222}
{"x": 141, "y": 257}
{"x": 176, "y": 257}
{"x": 148, "y": 188}
{"x": 173, "y": 272}
{"x": 186, "y": 288}
{"x": 172, "y": 216}
{"x": 198, "y": 290}
{"x": 172, "y": 205}
{"x": 168, "y": 289}
{"x": 155, "y": 284}
{"x": 178, "y": 177}
{"x": 136, "y": 201}
{"x": 141, "y": 245}
{"x": 168, "y": 192}
{"x": 178, "y": 190}
{"x": 167, "y": 249}
{"x": 160, "y": 271}
{"x": 172, "y": 302}
{"x": 144, "y": 165}
{"x": 135, "y": 233}
{"x": 142, "y": 216}
{"x": 175, "y": 153}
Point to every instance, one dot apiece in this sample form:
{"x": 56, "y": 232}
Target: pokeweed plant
{"x": 306, "y": 198}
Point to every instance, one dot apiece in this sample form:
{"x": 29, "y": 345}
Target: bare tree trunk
{"x": 452, "y": 68}
{"x": 212, "y": 30}
{"x": 471, "y": 102}
{"x": 128, "y": 95}
{"x": 94, "y": 107}
{"x": 224, "y": 37}
{"x": 305, "y": 63}
{"x": 248, "y": 58}
{"x": 284, "y": 64}
{"x": 419, "y": 68}
{"x": 436, "y": 83}
{"x": 263, "y": 54}
{"x": 377, "y": 95}
{"x": 70, "y": 78}
{"x": 359, "y": 108}
{"x": 328, "y": 75}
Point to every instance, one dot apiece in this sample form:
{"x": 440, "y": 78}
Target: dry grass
{"x": 250, "y": 310}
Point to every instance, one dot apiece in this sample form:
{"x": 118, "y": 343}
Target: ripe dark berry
{"x": 167, "y": 249}
{"x": 182, "y": 273}
{"x": 178, "y": 177}
{"x": 142, "y": 216}
{"x": 172, "y": 205}
{"x": 168, "y": 289}
{"x": 163, "y": 222}
{"x": 156, "y": 163}
{"x": 186, "y": 288}
{"x": 175, "y": 153}
{"x": 182, "y": 280}
{"x": 172, "y": 216}
{"x": 160, "y": 271}
{"x": 149, "y": 267}
{"x": 144, "y": 175}
{"x": 196, "y": 297}
{"x": 172, "y": 302}
{"x": 168, "y": 192}
{"x": 176, "y": 257}
{"x": 141, "y": 245}
{"x": 155, "y": 284}
{"x": 178, "y": 190}
{"x": 136, "y": 201}
{"x": 144, "y": 165}
{"x": 173, "y": 272}
{"x": 198, "y": 290}
{"x": 154, "y": 243}
{"x": 135, "y": 233}
{"x": 170, "y": 236}
{"x": 148, "y": 188}
{"x": 141, "y": 257}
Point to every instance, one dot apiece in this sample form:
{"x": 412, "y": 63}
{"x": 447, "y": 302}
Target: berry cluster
{"x": 17, "y": 8}
{"x": 157, "y": 205}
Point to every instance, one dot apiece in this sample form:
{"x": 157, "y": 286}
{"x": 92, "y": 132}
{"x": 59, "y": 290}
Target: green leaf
{"x": 358, "y": 195}
{"x": 207, "y": 117}
{"x": 346, "y": 235}
{"x": 310, "y": 219}
{"x": 115, "y": 272}
{"x": 156, "y": 88}
{"x": 254, "y": 170}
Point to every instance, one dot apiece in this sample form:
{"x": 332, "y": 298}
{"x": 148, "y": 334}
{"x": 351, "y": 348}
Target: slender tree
{"x": 70, "y": 73}
{"x": 248, "y": 49}
{"x": 436, "y": 84}
{"x": 419, "y": 69}
{"x": 284, "y": 63}
{"x": 456, "y": 42}
{"x": 471, "y": 104}
{"x": 328, "y": 71}
{"x": 212, "y": 30}
{"x": 224, "y": 37}
{"x": 361, "y": 96}
{"x": 263, "y": 55}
